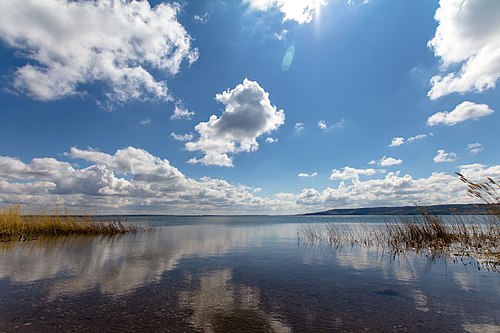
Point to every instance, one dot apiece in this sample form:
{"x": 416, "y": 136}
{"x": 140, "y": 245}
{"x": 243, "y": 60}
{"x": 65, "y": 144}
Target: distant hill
{"x": 468, "y": 209}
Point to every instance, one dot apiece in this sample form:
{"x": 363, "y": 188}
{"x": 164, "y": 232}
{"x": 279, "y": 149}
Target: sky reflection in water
{"x": 217, "y": 276}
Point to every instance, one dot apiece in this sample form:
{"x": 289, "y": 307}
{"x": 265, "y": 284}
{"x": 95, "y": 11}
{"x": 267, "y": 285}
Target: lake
{"x": 239, "y": 274}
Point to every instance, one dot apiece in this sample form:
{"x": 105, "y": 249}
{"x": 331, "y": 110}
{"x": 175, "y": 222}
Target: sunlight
{"x": 317, "y": 13}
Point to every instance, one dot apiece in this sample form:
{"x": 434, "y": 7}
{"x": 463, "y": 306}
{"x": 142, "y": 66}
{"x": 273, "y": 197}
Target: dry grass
{"x": 457, "y": 235}
{"x": 462, "y": 235}
{"x": 14, "y": 225}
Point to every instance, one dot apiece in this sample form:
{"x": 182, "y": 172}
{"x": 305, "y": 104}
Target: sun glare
{"x": 317, "y": 13}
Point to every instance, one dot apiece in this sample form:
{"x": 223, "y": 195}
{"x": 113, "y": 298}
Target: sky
{"x": 246, "y": 106}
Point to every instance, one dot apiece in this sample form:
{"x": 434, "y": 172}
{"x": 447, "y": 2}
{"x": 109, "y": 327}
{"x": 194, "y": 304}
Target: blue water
{"x": 237, "y": 274}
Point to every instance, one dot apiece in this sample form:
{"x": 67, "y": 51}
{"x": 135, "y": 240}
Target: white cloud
{"x": 203, "y": 18}
{"x": 442, "y": 156}
{"x": 398, "y": 141}
{"x": 282, "y": 34}
{"x": 357, "y": 2}
{"x": 70, "y": 44}
{"x": 222, "y": 160}
{"x": 248, "y": 114}
{"x": 299, "y": 127}
{"x": 418, "y": 137}
{"x": 475, "y": 148}
{"x": 351, "y": 173}
{"x": 395, "y": 189}
{"x": 132, "y": 181}
{"x": 389, "y": 161}
{"x": 271, "y": 140}
{"x": 462, "y": 112}
{"x": 145, "y": 121}
{"x": 467, "y": 36}
{"x": 301, "y": 11}
{"x": 181, "y": 137}
{"x": 322, "y": 124}
{"x": 307, "y": 175}
{"x": 479, "y": 172}
{"x": 372, "y": 162}
{"x": 181, "y": 112}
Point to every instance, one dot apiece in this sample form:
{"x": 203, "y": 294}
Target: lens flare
{"x": 288, "y": 58}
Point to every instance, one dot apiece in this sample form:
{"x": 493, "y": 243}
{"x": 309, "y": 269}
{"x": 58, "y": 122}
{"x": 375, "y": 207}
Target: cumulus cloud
{"x": 396, "y": 189}
{"x": 389, "y": 161}
{"x": 475, "y": 148}
{"x": 462, "y": 112}
{"x": 181, "y": 137}
{"x": 442, "y": 156}
{"x": 398, "y": 141}
{"x": 307, "y": 175}
{"x": 181, "y": 112}
{"x": 386, "y": 161}
{"x": 349, "y": 173}
{"x": 271, "y": 140}
{"x": 248, "y": 114}
{"x": 466, "y": 38}
{"x": 70, "y": 44}
{"x": 300, "y": 11}
{"x": 130, "y": 180}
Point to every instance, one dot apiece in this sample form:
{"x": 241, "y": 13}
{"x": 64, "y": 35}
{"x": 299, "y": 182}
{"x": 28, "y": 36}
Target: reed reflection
{"x": 119, "y": 264}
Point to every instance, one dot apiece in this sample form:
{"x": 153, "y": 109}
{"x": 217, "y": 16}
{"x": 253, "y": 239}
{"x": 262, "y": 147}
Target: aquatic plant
{"x": 457, "y": 235}
{"x": 481, "y": 236}
{"x": 14, "y": 225}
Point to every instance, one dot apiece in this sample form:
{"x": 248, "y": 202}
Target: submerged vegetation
{"x": 455, "y": 235}
{"x": 14, "y": 225}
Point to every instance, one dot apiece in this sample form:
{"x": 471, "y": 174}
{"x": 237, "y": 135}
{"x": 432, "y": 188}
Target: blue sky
{"x": 245, "y": 107}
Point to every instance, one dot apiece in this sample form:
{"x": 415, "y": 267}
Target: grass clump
{"x": 14, "y": 225}
{"x": 478, "y": 237}
{"x": 456, "y": 235}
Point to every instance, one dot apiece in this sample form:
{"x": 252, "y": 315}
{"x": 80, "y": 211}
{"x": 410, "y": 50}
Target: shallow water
{"x": 237, "y": 274}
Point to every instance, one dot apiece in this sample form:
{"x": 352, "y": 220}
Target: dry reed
{"x": 14, "y": 225}
{"x": 458, "y": 235}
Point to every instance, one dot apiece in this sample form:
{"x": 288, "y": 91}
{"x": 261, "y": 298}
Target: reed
{"x": 14, "y": 225}
{"x": 459, "y": 235}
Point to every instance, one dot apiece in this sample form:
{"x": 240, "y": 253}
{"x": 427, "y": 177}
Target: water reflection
{"x": 219, "y": 305}
{"x": 119, "y": 264}
{"x": 431, "y": 281}
{"x": 219, "y": 277}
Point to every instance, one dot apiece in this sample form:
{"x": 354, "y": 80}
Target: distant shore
{"x": 451, "y": 209}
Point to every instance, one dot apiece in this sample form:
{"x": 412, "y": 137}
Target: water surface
{"x": 237, "y": 274}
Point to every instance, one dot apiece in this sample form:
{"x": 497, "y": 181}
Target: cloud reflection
{"x": 117, "y": 265}
{"x": 218, "y": 304}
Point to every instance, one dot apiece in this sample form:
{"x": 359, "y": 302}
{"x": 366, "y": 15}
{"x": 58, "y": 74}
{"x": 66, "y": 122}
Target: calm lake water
{"x": 238, "y": 274}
